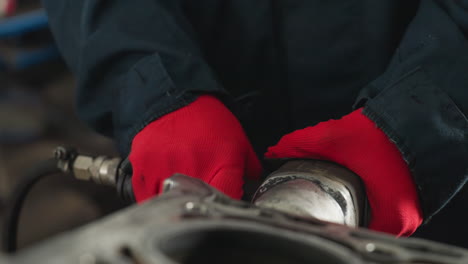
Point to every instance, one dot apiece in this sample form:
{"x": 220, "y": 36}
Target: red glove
{"x": 203, "y": 140}
{"x": 356, "y": 143}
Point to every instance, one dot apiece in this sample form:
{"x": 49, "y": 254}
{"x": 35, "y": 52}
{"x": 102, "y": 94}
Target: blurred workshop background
{"x": 37, "y": 114}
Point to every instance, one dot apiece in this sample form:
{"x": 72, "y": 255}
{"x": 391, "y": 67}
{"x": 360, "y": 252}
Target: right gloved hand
{"x": 203, "y": 140}
{"x": 356, "y": 143}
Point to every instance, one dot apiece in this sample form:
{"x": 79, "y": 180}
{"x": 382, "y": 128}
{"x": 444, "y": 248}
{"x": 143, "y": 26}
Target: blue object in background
{"x": 21, "y": 24}
{"x": 22, "y": 113}
{"x": 17, "y": 26}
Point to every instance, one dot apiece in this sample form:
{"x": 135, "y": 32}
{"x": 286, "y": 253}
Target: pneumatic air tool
{"x": 308, "y": 188}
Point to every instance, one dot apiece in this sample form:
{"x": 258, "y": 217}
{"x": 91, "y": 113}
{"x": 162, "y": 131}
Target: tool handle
{"x": 314, "y": 188}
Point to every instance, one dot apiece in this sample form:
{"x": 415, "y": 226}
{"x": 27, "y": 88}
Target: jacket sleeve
{"x": 421, "y": 101}
{"x": 134, "y": 62}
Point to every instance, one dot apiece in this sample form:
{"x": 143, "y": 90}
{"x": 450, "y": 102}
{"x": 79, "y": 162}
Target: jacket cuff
{"x": 175, "y": 82}
{"x": 429, "y": 130}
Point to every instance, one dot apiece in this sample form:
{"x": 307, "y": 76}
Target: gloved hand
{"x": 203, "y": 140}
{"x": 356, "y": 143}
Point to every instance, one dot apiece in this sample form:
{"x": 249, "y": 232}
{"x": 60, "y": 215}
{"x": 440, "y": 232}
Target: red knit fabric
{"x": 356, "y": 143}
{"x": 203, "y": 140}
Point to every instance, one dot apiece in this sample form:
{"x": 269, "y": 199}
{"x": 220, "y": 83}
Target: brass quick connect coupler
{"x": 100, "y": 169}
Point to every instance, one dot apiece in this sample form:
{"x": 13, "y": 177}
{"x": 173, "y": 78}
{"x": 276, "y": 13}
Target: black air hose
{"x": 13, "y": 209}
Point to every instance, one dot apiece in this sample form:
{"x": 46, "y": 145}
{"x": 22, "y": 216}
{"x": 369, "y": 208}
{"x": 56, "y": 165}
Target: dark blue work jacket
{"x": 281, "y": 65}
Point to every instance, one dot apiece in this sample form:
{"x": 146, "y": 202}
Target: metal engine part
{"x": 193, "y": 223}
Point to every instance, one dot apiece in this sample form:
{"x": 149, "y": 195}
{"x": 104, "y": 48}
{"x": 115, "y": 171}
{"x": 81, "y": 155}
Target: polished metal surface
{"x": 193, "y": 223}
{"x": 81, "y": 168}
{"x": 306, "y": 198}
{"x": 107, "y": 171}
{"x": 317, "y": 189}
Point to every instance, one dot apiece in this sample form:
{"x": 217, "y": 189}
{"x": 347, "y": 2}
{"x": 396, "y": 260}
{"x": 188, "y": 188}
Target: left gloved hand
{"x": 356, "y": 143}
{"x": 203, "y": 140}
